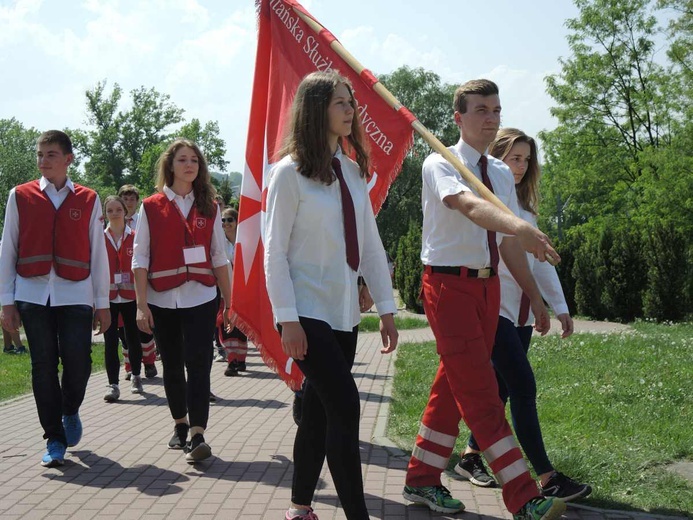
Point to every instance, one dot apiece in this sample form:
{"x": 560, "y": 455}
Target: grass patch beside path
{"x": 614, "y": 410}
{"x": 372, "y": 323}
{"x": 15, "y": 372}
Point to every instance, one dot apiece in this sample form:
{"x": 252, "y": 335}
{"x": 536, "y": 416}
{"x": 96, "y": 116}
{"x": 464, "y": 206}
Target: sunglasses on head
{"x": 228, "y": 220}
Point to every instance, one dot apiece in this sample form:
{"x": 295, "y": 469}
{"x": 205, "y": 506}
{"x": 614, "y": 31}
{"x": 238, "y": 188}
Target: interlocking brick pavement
{"x": 122, "y": 469}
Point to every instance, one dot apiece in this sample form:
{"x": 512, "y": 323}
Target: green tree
{"x": 18, "y": 158}
{"x": 207, "y": 138}
{"x": 613, "y": 106}
{"x": 430, "y": 100}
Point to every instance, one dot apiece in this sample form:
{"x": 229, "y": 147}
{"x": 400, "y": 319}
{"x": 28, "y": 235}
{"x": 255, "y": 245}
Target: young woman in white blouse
{"x": 119, "y": 239}
{"x": 179, "y": 258}
{"x": 314, "y": 249}
{"x": 513, "y": 370}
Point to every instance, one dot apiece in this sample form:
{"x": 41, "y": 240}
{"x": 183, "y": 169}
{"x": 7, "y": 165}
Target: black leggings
{"x": 330, "y": 419}
{"x": 129, "y": 312}
{"x": 184, "y": 337}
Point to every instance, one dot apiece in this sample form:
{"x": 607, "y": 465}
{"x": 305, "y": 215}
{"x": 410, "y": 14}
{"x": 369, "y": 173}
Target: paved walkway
{"x": 122, "y": 469}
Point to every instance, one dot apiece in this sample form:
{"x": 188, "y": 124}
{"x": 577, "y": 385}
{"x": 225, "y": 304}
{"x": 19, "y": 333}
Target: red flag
{"x": 287, "y": 51}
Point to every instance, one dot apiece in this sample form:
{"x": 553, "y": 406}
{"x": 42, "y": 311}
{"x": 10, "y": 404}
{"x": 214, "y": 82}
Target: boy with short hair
{"x": 54, "y": 279}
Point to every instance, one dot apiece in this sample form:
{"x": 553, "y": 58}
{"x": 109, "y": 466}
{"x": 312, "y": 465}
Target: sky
{"x": 202, "y": 53}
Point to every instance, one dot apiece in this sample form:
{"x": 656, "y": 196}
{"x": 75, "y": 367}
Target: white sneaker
{"x": 136, "y": 385}
{"x": 219, "y": 358}
{"x": 112, "y": 394}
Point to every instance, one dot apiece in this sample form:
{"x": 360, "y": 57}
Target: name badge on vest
{"x": 194, "y": 255}
{"x": 118, "y": 278}
{"x": 125, "y": 278}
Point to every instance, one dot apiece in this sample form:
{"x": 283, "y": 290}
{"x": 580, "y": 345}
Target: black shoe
{"x": 241, "y": 366}
{"x": 180, "y": 437}
{"x": 232, "y": 369}
{"x": 472, "y": 468}
{"x": 197, "y": 449}
{"x": 150, "y": 371}
{"x": 212, "y": 398}
{"x": 128, "y": 376}
{"x": 21, "y": 349}
{"x": 297, "y": 408}
{"x": 564, "y": 488}
{"x": 9, "y": 350}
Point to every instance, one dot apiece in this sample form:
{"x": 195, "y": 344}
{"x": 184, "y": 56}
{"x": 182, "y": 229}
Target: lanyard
{"x": 186, "y": 221}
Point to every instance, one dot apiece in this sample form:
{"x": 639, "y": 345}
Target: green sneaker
{"x": 437, "y": 498}
{"x": 540, "y": 509}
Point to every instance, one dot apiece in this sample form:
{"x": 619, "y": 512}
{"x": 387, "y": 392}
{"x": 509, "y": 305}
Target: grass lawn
{"x": 372, "y": 323}
{"x": 15, "y": 372}
{"x": 614, "y": 410}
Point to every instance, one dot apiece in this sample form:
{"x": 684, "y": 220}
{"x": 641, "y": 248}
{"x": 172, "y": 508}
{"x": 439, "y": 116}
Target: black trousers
{"x": 58, "y": 335}
{"x": 184, "y": 337}
{"x": 128, "y": 311}
{"x": 330, "y": 419}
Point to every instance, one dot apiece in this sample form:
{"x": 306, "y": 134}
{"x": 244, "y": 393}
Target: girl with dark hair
{"x": 320, "y": 233}
{"x": 513, "y": 370}
{"x": 235, "y": 343}
{"x": 119, "y": 246}
{"x": 179, "y": 259}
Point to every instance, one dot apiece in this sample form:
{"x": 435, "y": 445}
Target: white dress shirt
{"x": 449, "y": 238}
{"x": 92, "y": 291}
{"x": 305, "y": 250}
{"x": 132, "y": 221}
{"x": 545, "y": 276}
{"x": 117, "y": 245}
{"x": 191, "y": 293}
{"x": 230, "y": 254}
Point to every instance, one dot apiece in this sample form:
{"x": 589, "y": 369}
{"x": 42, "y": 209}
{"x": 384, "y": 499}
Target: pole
{"x": 394, "y": 103}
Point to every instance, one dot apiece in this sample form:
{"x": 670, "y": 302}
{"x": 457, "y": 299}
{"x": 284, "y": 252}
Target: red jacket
{"x": 50, "y": 237}
{"x": 121, "y": 262}
{"x": 169, "y": 235}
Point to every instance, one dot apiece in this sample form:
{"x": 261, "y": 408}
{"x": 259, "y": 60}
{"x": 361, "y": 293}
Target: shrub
{"x": 665, "y": 251}
{"x": 408, "y": 268}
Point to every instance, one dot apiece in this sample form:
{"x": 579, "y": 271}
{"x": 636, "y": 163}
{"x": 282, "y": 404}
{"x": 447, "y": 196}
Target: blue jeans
{"x": 516, "y": 381}
{"x": 58, "y": 334}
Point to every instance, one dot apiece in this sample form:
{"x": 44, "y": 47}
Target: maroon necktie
{"x": 524, "y": 310}
{"x": 492, "y": 245}
{"x": 352, "y": 241}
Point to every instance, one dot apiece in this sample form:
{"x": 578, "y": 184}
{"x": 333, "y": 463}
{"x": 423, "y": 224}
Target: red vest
{"x": 50, "y": 237}
{"x": 169, "y": 235}
{"x": 121, "y": 262}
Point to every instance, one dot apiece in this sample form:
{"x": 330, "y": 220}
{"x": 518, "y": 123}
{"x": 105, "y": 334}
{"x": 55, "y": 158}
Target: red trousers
{"x": 463, "y": 314}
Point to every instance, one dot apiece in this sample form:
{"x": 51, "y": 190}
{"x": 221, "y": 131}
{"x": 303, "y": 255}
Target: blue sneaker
{"x": 73, "y": 429}
{"x": 55, "y": 454}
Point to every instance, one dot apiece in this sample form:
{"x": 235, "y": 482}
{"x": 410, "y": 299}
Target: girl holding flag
{"x": 179, "y": 259}
{"x": 320, "y": 233}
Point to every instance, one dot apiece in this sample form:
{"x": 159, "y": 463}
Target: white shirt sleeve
{"x": 374, "y": 266}
{"x": 442, "y": 178}
{"x": 9, "y": 251}
{"x": 100, "y": 275}
{"x": 550, "y": 286}
{"x": 282, "y": 205}
{"x": 140, "y": 256}
{"x": 217, "y": 249}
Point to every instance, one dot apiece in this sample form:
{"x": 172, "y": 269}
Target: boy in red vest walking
{"x": 54, "y": 279}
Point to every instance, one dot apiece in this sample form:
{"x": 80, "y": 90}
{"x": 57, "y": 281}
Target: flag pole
{"x": 394, "y": 103}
